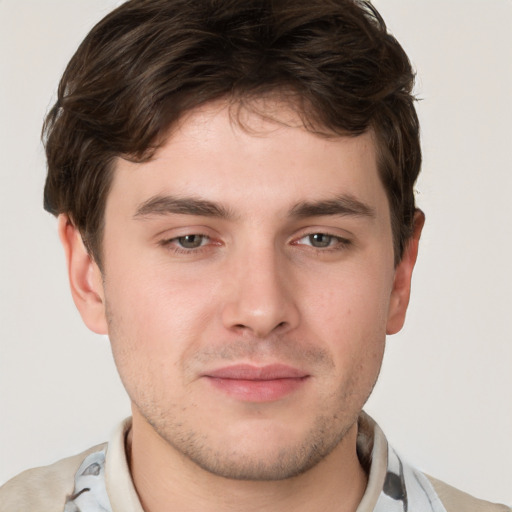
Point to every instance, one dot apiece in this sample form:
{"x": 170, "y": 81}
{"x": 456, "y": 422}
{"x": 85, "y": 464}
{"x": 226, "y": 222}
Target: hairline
{"x": 281, "y": 97}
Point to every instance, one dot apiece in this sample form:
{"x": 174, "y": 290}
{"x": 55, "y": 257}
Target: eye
{"x": 191, "y": 241}
{"x": 323, "y": 241}
{"x": 190, "y": 244}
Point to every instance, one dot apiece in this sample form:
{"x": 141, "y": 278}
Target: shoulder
{"x": 455, "y": 500}
{"x": 42, "y": 489}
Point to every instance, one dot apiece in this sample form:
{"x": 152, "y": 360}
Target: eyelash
{"x": 340, "y": 243}
{"x": 172, "y": 244}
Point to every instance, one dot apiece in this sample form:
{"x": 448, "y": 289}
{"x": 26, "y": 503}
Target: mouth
{"x": 257, "y": 384}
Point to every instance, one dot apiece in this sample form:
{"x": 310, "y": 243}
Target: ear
{"x": 84, "y": 277}
{"x": 403, "y": 275}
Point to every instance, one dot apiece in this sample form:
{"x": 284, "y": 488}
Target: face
{"x": 247, "y": 288}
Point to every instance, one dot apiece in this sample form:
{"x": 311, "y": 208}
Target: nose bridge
{"x": 260, "y": 299}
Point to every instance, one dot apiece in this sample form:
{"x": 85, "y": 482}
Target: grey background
{"x": 444, "y": 397}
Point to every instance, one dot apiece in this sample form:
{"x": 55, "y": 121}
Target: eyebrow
{"x": 165, "y": 205}
{"x": 343, "y": 205}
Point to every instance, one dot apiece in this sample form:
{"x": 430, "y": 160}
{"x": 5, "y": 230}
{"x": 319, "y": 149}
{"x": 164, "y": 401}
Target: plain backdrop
{"x": 444, "y": 395}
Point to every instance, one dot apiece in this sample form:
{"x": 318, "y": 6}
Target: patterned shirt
{"x": 99, "y": 480}
{"x": 402, "y": 489}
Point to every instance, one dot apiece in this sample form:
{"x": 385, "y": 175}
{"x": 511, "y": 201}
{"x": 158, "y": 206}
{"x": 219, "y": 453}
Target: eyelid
{"x": 341, "y": 242}
{"x": 174, "y": 229}
{"x": 169, "y": 240}
{"x": 322, "y": 230}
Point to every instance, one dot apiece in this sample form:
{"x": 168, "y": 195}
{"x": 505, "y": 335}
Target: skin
{"x": 287, "y": 258}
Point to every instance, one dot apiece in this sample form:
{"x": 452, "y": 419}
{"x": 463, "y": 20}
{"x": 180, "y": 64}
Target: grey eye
{"x": 320, "y": 240}
{"x": 191, "y": 241}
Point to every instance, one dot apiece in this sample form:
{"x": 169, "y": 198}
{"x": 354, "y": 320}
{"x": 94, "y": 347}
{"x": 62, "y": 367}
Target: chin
{"x": 266, "y": 453}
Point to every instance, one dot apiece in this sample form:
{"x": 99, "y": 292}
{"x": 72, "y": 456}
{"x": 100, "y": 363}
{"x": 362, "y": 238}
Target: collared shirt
{"x": 99, "y": 480}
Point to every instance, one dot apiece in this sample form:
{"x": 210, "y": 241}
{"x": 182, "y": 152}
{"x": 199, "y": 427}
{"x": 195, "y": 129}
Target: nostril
{"x": 245, "y": 327}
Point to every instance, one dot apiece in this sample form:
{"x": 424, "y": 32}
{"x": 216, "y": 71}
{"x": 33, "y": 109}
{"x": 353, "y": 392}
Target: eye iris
{"x": 320, "y": 240}
{"x": 190, "y": 241}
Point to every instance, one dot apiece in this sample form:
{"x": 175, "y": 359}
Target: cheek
{"x": 350, "y": 317}
{"x": 353, "y": 302}
{"x": 155, "y": 316}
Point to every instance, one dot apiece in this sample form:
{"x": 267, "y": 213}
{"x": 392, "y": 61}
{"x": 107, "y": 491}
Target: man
{"x": 234, "y": 189}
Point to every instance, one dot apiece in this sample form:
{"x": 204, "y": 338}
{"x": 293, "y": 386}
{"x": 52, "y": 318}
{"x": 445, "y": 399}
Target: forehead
{"x": 261, "y": 154}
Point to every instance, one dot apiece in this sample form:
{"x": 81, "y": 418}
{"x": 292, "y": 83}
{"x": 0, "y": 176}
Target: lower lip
{"x": 258, "y": 390}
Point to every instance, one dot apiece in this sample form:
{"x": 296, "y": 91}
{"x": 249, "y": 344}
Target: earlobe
{"x": 84, "y": 277}
{"x": 403, "y": 275}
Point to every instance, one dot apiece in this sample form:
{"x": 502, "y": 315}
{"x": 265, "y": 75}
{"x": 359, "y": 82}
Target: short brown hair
{"x": 150, "y": 61}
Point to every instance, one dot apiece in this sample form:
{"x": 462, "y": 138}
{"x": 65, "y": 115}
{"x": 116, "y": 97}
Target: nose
{"x": 260, "y": 299}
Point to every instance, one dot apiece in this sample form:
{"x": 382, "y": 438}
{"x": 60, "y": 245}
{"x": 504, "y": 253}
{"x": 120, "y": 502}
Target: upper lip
{"x": 250, "y": 372}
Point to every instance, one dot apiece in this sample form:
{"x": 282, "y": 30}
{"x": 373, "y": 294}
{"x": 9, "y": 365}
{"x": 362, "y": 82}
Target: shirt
{"x": 99, "y": 480}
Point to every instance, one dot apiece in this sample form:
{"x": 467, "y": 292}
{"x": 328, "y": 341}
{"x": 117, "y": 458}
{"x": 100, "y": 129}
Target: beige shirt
{"x": 46, "y": 489}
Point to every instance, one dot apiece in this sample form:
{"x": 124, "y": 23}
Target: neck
{"x": 167, "y": 480}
